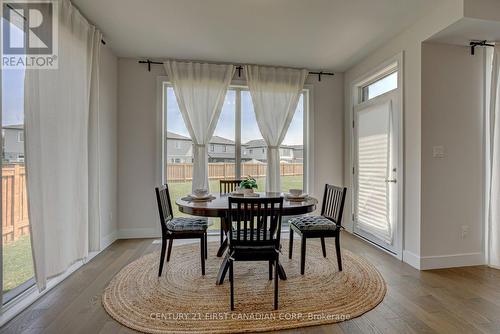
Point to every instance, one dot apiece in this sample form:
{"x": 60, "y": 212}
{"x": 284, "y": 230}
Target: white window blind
{"x": 374, "y": 168}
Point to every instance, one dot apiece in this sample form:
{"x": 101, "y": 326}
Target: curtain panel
{"x": 58, "y": 121}
{"x": 275, "y": 93}
{"x": 200, "y": 90}
{"x": 493, "y": 235}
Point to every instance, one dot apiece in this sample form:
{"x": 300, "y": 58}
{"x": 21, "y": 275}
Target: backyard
{"x": 17, "y": 263}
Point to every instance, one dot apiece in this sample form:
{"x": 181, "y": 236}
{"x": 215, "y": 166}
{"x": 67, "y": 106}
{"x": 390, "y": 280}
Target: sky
{"x": 13, "y": 91}
{"x": 226, "y": 125}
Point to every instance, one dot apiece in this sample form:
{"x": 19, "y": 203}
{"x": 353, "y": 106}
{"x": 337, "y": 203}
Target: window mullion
{"x": 237, "y": 168}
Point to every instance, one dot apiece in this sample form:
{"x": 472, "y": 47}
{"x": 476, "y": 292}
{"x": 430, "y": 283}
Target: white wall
{"x": 452, "y": 187}
{"x": 137, "y": 105}
{"x": 409, "y": 42}
{"x": 108, "y": 98}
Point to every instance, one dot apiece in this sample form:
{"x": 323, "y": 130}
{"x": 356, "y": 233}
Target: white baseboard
{"x": 107, "y": 240}
{"x": 443, "y": 261}
{"x": 412, "y": 259}
{"x": 135, "y": 233}
{"x": 451, "y": 261}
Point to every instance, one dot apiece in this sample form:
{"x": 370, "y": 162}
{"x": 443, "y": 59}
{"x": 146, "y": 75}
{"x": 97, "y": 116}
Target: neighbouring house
{"x": 220, "y": 149}
{"x": 13, "y": 143}
{"x": 257, "y": 149}
{"x": 179, "y": 148}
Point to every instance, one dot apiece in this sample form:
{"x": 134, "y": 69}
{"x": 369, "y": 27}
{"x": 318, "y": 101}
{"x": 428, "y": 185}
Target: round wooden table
{"x": 218, "y": 207}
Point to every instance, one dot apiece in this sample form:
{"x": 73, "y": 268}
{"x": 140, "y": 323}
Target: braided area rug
{"x": 183, "y": 301}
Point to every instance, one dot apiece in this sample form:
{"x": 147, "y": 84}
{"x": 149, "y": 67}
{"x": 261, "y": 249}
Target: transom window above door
{"x": 379, "y": 86}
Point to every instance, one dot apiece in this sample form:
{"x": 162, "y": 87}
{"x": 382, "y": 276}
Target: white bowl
{"x": 200, "y": 192}
{"x": 295, "y": 192}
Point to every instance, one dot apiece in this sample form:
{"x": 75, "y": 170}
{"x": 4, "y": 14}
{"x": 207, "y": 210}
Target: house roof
{"x": 256, "y": 143}
{"x": 221, "y": 140}
{"x": 14, "y": 126}
{"x": 172, "y": 135}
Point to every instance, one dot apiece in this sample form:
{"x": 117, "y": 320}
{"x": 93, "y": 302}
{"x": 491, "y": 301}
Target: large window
{"x": 17, "y": 262}
{"x": 237, "y": 148}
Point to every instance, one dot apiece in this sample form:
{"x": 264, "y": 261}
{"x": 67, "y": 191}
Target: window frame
{"x": 238, "y": 86}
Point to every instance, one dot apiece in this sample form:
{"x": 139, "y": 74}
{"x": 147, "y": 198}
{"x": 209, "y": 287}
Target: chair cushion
{"x": 186, "y": 224}
{"x": 313, "y": 223}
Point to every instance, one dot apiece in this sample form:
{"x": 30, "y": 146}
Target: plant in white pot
{"x": 248, "y": 185}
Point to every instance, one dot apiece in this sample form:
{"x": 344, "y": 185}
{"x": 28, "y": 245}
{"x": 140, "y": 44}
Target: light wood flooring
{"x": 459, "y": 300}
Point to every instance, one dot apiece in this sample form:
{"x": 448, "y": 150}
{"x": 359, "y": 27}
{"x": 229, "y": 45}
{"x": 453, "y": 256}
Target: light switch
{"x": 438, "y": 151}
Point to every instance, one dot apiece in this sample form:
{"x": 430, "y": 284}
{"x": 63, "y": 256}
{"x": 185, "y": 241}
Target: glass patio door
{"x": 376, "y": 169}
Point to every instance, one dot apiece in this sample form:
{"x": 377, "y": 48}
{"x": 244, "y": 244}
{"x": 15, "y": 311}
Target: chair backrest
{"x": 227, "y": 186}
{"x": 333, "y": 203}
{"x": 255, "y": 221}
{"x": 164, "y": 205}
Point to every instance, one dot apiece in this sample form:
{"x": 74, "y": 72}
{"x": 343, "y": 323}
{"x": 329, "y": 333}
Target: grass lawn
{"x": 17, "y": 263}
{"x": 183, "y": 188}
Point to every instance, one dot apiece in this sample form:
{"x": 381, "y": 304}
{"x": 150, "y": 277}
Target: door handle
{"x": 391, "y": 181}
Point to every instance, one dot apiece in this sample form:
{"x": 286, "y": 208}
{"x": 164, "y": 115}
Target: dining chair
{"x": 226, "y": 187}
{"x": 328, "y": 225}
{"x": 254, "y": 235}
{"x": 179, "y": 228}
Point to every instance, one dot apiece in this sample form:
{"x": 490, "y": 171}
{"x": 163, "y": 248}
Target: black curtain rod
{"x": 475, "y": 44}
{"x": 239, "y": 68}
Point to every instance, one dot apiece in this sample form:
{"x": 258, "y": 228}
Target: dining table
{"x": 218, "y": 206}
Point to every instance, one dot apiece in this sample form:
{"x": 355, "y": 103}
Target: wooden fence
{"x": 218, "y": 171}
{"x": 15, "y": 222}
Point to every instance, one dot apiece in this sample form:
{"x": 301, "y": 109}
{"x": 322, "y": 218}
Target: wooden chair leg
{"x": 206, "y": 245}
{"x": 170, "y": 248}
{"x": 337, "y": 248}
{"x": 303, "y": 256}
{"x": 231, "y": 283}
{"x": 323, "y": 246}
{"x": 270, "y": 270}
{"x": 164, "y": 242}
{"x": 276, "y": 280}
{"x": 290, "y": 243}
{"x": 202, "y": 248}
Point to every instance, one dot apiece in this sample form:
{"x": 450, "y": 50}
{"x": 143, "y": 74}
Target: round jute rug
{"x": 183, "y": 301}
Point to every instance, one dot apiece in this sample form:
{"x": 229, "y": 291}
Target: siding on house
{"x": 180, "y": 150}
{"x": 13, "y": 143}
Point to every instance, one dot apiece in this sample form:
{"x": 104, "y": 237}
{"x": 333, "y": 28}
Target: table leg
{"x": 281, "y": 272}
{"x": 222, "y": 248}
{"x": 224, "y": 266}
{"x": 223, "y": 244}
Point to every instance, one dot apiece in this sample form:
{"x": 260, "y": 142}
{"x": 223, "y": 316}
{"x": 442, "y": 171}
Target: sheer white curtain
{"x": 275, "y": 93}
{"x": 200, "y": 90}
{"x": 493, "y": 235}
{"x": 57, "y": 111}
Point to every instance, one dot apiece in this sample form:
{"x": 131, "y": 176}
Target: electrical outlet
{"x": 111, "y": 216}
{"x": 465, "y": 231}
{"x": 438, "y": 152}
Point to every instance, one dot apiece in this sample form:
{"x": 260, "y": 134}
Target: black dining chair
{"x": 254, "y": 235}
{"x": 179, "y": 228}
{"x": 226, "y": 187}
{"x": 328, "y": 225}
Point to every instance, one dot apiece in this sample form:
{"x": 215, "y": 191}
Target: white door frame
{"x": 393, "y": 64}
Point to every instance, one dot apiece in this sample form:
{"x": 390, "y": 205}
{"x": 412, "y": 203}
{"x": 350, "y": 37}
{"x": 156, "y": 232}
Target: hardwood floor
{"x": 459, "y": 300}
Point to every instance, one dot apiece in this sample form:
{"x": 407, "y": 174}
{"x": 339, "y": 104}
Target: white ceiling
{"x": 468, "y": 29}
{"x": 316, "y": 34}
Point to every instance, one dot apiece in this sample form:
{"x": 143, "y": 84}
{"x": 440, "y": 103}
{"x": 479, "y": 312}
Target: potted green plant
{"x": 248, "y": 185}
